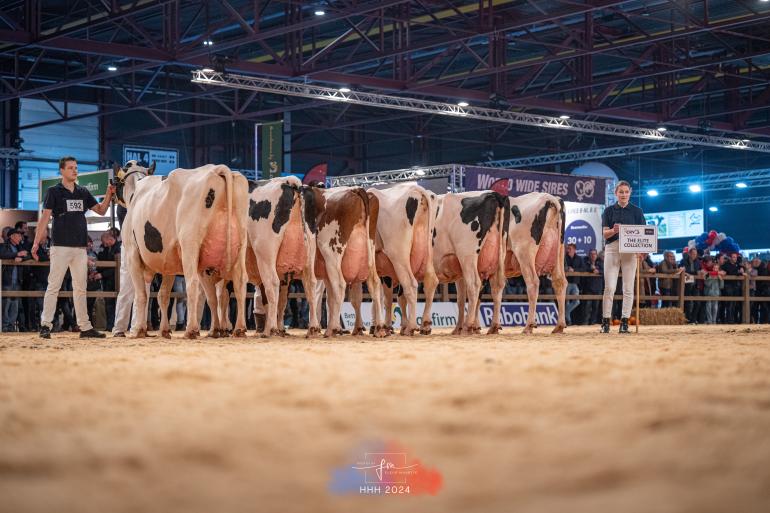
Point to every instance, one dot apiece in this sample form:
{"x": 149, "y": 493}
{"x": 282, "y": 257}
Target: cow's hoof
{"x": 371, "y": 329}
{"x": 457, "y": 331}
{"x": 381, "y": 332}
{"x": 213, "y": 333}
{"x": 359, "y": 330}
{"x": 558, "y": 329}
{"x": 142, "y": 333}
{"x": 239, "y": 333}
{"x": 494, "y": 330}
{"x": 165, "y": 333}
{"x": 313, "y": 332}
{"x": 528, "y": 329}
{"x": 426, "y": 328}
{"x": 408, "y": 332}
{"x": 192, "y": 334}
{"x": 275, "y": 332}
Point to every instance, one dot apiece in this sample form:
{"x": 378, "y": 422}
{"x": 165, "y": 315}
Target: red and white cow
{"x": 403, "y": 249}
{"x": 469, "y": 243}
{"x": 281, "y": 234}
{"x": 190, "y": 222}
{"x": 535, "y": 247}
{"x": 346, "y": 220}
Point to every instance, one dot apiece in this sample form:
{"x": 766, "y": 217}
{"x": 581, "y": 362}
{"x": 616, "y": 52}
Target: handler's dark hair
{"x": 621, "y": 184}
{"x": 63, "y": 161}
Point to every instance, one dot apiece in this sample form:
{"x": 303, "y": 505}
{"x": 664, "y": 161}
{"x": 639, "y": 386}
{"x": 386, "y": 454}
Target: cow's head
{"x": 126, "y": 177}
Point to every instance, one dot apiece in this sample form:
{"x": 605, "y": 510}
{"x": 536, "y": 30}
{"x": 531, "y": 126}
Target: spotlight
{"x": 661, "y": 129}
{"x": 498, "y": 102}
{"x": 652, "y": 193}
{"x": 462, "y": 104}
{"x": 741, "y": 185}
{"x": 695, "y": 188}
{"x": 207, "y": 70}
{"x": 745, "y": 141}
{"x": 220, "y": 63}
{"x": 320, "y": 12}
{"x": 564, "y": 116}
{"x": 208, "y": 42}
{"x": 112, "y": 67}
{"x": 344, "y": 89}
{"x": 713, "y": 209}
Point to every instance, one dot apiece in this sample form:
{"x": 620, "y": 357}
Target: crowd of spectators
{"x": 703, "y": 274}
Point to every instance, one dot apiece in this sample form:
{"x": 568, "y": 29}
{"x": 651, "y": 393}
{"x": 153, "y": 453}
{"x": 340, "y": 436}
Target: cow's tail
{"x": 225, "y": 173}
{"x": 365, "y": 199}
{"x": 503, "y": 223}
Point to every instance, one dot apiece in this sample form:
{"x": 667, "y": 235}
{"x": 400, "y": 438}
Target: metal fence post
{"x": 746, "y": 300}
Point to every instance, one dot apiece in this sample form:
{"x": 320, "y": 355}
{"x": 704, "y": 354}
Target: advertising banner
{"x": 166, "y": 160}
{"x": 272, "y": 150}
{"x": 682, "y": 223}
{"x": 582, "y": 189}
{"x": 96, "y": 183}
{"x": 638, "y": 238}
{"x": 583, "y": 226}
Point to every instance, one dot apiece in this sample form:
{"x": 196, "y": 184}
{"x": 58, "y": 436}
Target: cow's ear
{"x": 151, "y": 170}
{"x": 115, "y": 169}
{"x": 120, "y": 174}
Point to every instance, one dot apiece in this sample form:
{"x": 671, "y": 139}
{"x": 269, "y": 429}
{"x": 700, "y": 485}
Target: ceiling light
{"x": 208, "y": 42}
{"x": 741, "y": 185}
{"x": 344, "y": 89}
{"x": 320, "y": 12}
{"x": 695, "y": 188}
{"x": 420, "y": 172}
{"x": 746, "y": 141}
{"x": 652, "y": 192}
{"x": 112, "y": 67}
{"x": 462, "y": 104}
{"x": 661, "y": 129}
{"x": 713, "y": 209}
{"x": 564, "y": 116}
{"x": 207, "y": 70}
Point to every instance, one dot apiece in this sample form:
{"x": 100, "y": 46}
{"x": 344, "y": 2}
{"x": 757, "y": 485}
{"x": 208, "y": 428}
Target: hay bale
{"x": 662, "y": 316}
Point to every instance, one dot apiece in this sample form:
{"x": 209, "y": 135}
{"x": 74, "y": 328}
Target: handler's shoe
{"x": 45, "y": 332}
{"x": 92, "y": 333}
{"x": 623, "y": 325}
{"x": 605, "y": 325}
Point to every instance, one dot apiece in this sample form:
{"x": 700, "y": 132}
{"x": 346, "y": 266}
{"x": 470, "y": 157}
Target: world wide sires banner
{"x": 581, "y": 189}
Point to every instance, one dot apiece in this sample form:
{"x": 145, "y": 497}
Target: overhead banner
{"x": 272, "y": 149}
{"x": 166, "y": 159}
{"x": 580, "y": 189}
{"x": 682, "y": 223}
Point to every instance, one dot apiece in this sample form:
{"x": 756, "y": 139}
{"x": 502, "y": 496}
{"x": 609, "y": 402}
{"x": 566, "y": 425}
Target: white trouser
{"x": 613, "y": 262}
{"x": 76, "y": 260}
{"x": 123, "y": 306}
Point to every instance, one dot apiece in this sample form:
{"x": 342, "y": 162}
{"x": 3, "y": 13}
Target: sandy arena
{"x": 676, "y": 419}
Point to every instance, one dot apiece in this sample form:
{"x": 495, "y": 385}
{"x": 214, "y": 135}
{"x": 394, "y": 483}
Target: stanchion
{"x": 638, "y": 280}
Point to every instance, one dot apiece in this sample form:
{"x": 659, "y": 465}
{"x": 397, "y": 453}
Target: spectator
{"x": 11, "y": 279}
{"x": 732, "y": 288}
{"x": 94, "y": 278}
{"x": 752, "y": 269}
{"x": 110, "y": 248}
{"x": 713, "y": 283}
{"x": 38, "y": 281}
{"x": 691, "y": 265}
{"x": 666, "y": 285}
{"x": 573, "y": 263}
{"x": 592, "y": 313}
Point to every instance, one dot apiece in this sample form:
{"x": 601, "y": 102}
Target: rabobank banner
{"x": 582, "y": 189}
{"x": 444, "y": 314}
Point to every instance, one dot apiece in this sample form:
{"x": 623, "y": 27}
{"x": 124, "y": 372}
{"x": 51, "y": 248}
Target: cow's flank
{"x": 283, "y": 207}
{"x": 152, "y": 238}
{"x": 516, "y": 213}
{"x": 210, "y": 198}
{"x": 259, "y": 210}
{"x": 411, "y": 209}
{"x": 479, "y": 213}
{"x": 538, "y": 224}
{"x": 347, "y": 212}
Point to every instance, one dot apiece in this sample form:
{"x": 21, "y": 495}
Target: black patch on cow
{"x": 433, "y": 240}
{"x": 516, "y": 213}
{"x": 152, "y": 239}
{"x": 163, "y": 178}
{"x": 387, "y": 281}
{"x": 538, "y": 224}
{"x": 411, "y": 209}
{"x": 474, "y": 225}
{"x": 259, "y": 210}
{"x": 506, "y": 203}
{"x": 309, "y": 199}
{"x": 131, "y": 199}
{"x": 482, "y": 209}
{"x": 283, "y": 207}
{"x": 210, "y": 198}
{"x": 252, "y": 186}
{"x": 563, "y": 220}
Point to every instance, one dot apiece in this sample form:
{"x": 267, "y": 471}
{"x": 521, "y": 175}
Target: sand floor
{"x": 675, "y": 419}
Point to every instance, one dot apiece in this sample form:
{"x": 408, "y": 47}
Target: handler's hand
{"x": 34, "y": 251}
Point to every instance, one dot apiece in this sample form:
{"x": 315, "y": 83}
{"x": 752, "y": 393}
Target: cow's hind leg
{"x": 472, "y": 290}
{"x": 559, "y": 282}
{"x": 497, "y": 283}
{"x": 460, "y": 287}
{"x": 429, "y": 284}
{"x": 164, "y": 294}
{"x": 209, "y": 288}
{"x": 529, "y": 273}
{"x": 356, "y": 297}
